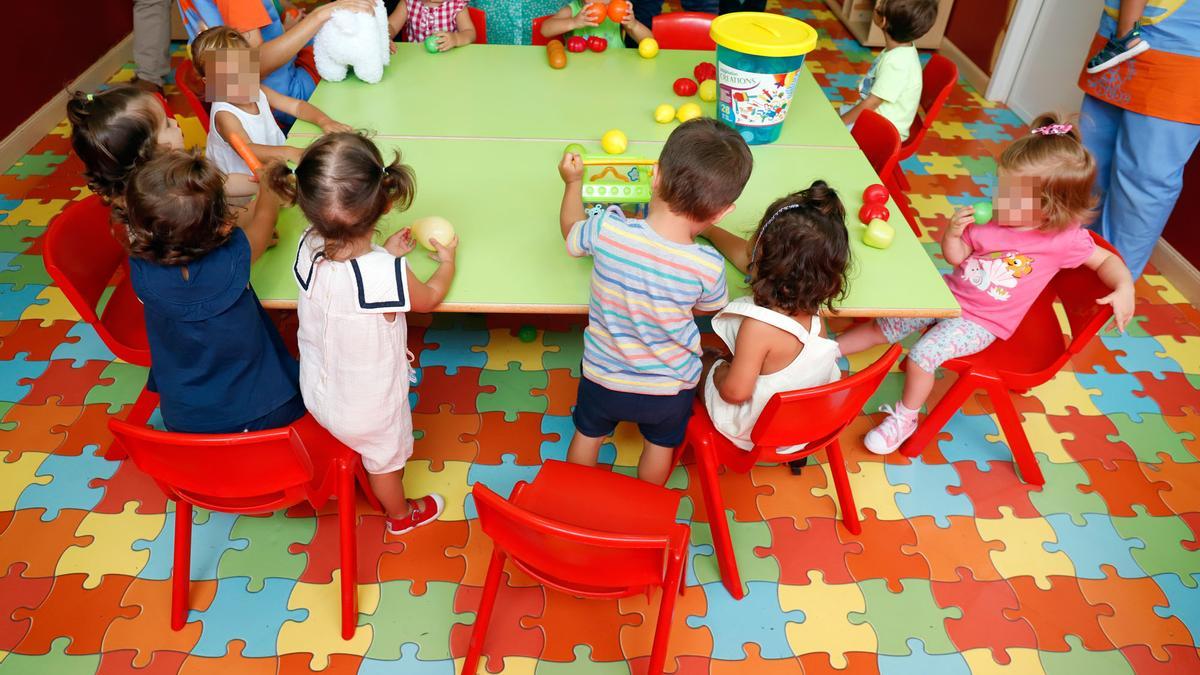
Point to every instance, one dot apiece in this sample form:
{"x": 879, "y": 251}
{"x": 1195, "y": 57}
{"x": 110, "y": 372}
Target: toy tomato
{"x": 595, "y": 12}
{"x": 685, "y": 86}
{"x": 705, "y": 71}
{"x": 875, "y": 194}
{"x": 576, "y": 44}
{"x": 618, "y": 10}
{"x": 871, "y": 212}
{"x": 597, "y": 43}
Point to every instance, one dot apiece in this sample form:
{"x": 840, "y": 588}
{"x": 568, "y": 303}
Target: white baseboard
{"x": 1176, "y": 268}
{"x": 18, "y": 143}
{"x": 967, "y": 69}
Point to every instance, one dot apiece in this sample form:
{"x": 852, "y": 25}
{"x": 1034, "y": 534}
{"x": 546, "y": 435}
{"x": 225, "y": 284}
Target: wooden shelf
{"x": 857, "y": 15}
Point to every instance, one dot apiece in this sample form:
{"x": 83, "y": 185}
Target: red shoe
{"x": 422, "y": 512}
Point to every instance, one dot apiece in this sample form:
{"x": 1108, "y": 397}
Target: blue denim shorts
{"x": 661, "y": 419}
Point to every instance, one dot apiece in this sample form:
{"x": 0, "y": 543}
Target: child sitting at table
{"x": 219, "y": 364}
{"x": 572, "y": 19}
{"x": 796, "y": 261}
{"x": 241, "y": 106}
{"x": 447, "y": 20}
{"x": 1042, "y": 201}
{"x": 354, "y": 360}
{"x": 892, "y": 87}
{"x": 641, "y": 355}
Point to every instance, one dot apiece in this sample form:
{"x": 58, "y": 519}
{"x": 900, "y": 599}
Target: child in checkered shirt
{"x": 448, "y": 21}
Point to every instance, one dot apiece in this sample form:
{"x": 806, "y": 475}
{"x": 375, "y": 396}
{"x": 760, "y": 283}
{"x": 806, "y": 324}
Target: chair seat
{"x": 1030, "y": 357}
{"x": 600, "y": 500}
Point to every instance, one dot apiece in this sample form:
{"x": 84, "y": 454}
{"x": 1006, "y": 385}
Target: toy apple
{"x": 878, "y": 234}
{"x": 597, "y": 43}
{"x": 685, "y": 86}
{"x": 618, "y": 10}
{"x": 705, "y": 71}
{"x": 983, "y": 212}
{"x": 875, "y": 194}
{"x": 870, "y": 212}
{"x": 648, "y": 48}
{"x": 573, "y": 149}
{"x": 425, "y": 230}
{"x": 431, "y": 44}
{"x": 595, "y": 11}
{"x": 576, "y": 44}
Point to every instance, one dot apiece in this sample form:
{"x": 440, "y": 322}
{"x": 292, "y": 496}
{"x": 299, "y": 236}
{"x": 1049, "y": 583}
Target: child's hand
{"x": 400, "y": 243}
{"x": 331, "y": 126}
{"x": 963, "y": 216}
{"x": 292, "y": 16}
{"x": 571, "y": 168}
{"x": 392, "y": 46}
{"x": 444, "y": 41}
{"x": 1121, "y": 300}
{"x": 629, "y": 21}
{"x": 582, "y": 20}
{"x": 444, "y": 253}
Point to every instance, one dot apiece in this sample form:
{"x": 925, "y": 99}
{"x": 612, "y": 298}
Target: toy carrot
{"x": 243, "y": 148}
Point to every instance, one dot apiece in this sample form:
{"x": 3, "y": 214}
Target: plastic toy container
{"x": 759, "y": 56}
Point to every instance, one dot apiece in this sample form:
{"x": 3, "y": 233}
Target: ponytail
{"x": 280, "y": 178}
{"x": 399, "y": 183}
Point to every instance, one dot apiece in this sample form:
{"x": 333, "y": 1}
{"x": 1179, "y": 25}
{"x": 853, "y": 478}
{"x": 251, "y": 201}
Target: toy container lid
{"x": 763, "y": 34}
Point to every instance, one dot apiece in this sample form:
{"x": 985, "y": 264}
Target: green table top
{"x": 501, "y": 91}
{"x": 503, "y": 198}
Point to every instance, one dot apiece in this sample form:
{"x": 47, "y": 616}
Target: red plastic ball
{"x": 871, "y": 212}
{"x": 705, "y": 71}
{"x": 876, "y": 194}
{"x": 685, "y": 86}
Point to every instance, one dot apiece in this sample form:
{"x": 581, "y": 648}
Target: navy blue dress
{"x": 219, "y": 364}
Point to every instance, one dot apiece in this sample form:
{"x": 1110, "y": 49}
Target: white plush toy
{"x": 353, "y": 40}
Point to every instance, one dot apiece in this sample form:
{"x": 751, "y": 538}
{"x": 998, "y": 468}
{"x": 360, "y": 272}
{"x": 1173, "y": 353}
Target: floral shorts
{"x": 947, "y": 339}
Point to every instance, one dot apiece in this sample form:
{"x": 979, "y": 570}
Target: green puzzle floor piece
{"x": 1164, "y": 553}
{"x": 36, "y": 165}
{"x": 1060, "y": 494}
{"x": 583, "y": 665}
{"x": 746, "y": 537}
{"x": 570, "y": 350}
{"x": 267, "y": 554}
{"x": 1151, "y": 437}
{"x": 513, "y": 391}
{"x": 424, "y": 620}
{"x": 25, "y": 269}
{"x": 1079, "y": 660}
{"x": 913, "y": 612}
{"x": 128, "y": 381}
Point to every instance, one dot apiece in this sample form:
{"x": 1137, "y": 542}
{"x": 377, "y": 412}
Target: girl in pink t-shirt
{"x": 1042, "y": 200}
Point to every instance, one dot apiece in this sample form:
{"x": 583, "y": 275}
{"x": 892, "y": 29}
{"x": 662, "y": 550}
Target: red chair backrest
{"x": 938, "y": 80}
{"x": 1078, "y": 289}
{"x": 536, "y": 38}
{"x": 684, "y": 30}
{"x": 819, "y": 414}
{"x": 84, "y": 258}
{"x": 239, "y": 473}
{"x": 564, "y": 555}
{"x": 879, "y": 141}
{"x": 188, "y": 81}
{"x": 479, "y": 19}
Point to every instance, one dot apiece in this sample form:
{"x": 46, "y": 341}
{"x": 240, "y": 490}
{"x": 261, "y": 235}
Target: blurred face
{"x": 1018, "y": 200}
{"x": 231, "y": 75}
{"x": 169, "y": 135}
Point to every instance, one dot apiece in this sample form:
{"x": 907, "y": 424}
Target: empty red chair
{"x": 880, "y": 142}
{"x": 85, "y": 260}
{"x": 1034, "y": 353}
{"x": 684, "y": 30}
{"x": 479, "y": 19}
{"x": 254, "y": 472}
{"x": 536, "y": 27}
{"x": 188, "y": 82}
{"x": 588, "y": 532}
{"x": 815, "y": 417}
{"x": 938, "y": 80}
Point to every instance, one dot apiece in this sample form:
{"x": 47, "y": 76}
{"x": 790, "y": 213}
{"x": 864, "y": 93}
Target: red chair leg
{"x": 906, "y": 210}
{"x": 901, "y": 180}
{"x": 706, "y": 464}
{"x": 1014, "y": 432}
{"x": 348, "y": 545}
{"x": 181, "y": 571}
{"x": 938, "y": 417}
{"x": 837, "y": 466}
{"x": 666, "y": 612}
{"x": 483, "y": 617}
{"x": 142, "y": 409}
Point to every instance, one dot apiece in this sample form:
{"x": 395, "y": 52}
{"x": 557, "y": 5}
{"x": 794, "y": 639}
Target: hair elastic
{"x": 89, "y": 97}
{"x": 1054, "y": 130}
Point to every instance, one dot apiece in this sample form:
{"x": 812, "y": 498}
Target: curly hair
{"x": 1065, "y": 170}
{"x": 343, "y": 187}
{"x": 112, "y": 132}
{"x": 176, "y": 208}
{"x": 801, "y": 252}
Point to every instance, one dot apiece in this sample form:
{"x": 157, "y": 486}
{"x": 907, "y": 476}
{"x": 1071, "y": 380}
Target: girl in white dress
{"x": 354, "y": 362}
{"x": 796, "y": 263}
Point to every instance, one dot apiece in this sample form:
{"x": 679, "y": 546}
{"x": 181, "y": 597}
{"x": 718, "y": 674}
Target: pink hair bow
{"x": 1053, "y": 129}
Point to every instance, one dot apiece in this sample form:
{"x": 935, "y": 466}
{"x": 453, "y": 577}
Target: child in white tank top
{"x": 796, "y": 263}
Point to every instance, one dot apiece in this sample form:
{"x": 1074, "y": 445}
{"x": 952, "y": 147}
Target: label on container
{"x": 754, "y": 99}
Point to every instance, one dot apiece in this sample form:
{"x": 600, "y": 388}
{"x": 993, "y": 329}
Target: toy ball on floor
{"x": 432, "y": 228}
{"x": 353, "y": 40}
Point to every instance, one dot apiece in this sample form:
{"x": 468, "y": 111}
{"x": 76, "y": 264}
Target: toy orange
{"x": 595, "y": 12}
{"x": 618, "y": 10}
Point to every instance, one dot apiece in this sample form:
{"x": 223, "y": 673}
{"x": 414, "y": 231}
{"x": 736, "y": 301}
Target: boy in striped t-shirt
{"x": 641, "y": 353}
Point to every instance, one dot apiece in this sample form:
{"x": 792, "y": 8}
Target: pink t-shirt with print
{"x": 1008, "y": 269}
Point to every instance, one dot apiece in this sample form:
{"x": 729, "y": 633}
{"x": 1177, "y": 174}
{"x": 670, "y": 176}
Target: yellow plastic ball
{"x": 614, "y": 141}
{"x": 648, "y": 48}
{"x": 664, "y": 114}
{"x": 689, "y": 111}
{"x": 432, "y": 227}
{"x": 708, "y": 90}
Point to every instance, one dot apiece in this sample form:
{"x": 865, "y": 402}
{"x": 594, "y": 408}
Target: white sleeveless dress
{"x": 815, "y": 365}
{"x": 261, "y": 129}
{"x": 354, "y": 366}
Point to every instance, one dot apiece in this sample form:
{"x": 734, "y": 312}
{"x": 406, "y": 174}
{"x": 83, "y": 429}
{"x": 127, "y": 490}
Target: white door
{"x": 1045, "y": 47}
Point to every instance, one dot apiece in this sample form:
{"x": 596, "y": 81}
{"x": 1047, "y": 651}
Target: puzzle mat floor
{"x": 960, "y": 566}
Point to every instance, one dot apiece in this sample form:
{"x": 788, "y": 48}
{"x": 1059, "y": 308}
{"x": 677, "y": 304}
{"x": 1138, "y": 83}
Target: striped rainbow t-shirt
{"x": 641, "y": 337}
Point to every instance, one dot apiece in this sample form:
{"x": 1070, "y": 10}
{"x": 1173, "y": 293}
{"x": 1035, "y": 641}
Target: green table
{"x": 501, "y": 91}
{"x": 503, "y": 197}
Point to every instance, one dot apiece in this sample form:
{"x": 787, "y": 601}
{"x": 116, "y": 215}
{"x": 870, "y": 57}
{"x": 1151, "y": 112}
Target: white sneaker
{"x": 891, "y": 432}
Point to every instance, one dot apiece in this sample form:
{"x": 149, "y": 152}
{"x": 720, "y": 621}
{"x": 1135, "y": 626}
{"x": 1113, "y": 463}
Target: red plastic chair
{"x": 880, "y": 142}
{"x": 938, "y": 80}
{"x": 84, "y": 259}
{"x": 684, "y": 30}
{"x": 588, "y": 532}
{"x": 185, "y": 79}
{"x": 815, "y": 417}
{"x": 1027, "y": 359}
{"x": 537, "y": 39}
{"x": 254, "y": 472}
{"x": 479, "y": 19}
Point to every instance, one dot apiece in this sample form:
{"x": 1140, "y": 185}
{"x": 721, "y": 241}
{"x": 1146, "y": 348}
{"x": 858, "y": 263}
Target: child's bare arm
{"x": 1113, "y": 272}
{"x": 229, "y": 126}
{"x": 397, "y": 19}
{"x": 735, "y": 380}
{"x": 427, "y": 295}
{"x": 954, "y": 249}
{"x": 465, "y": 34}
{"x": 284, "y": 48}
{"x": 303, "y": 110}
{"x": 563, "y": 22}
{"x": 733, "y": 247}
{"x": 259, "y": 220}
{"x": 634, "y": 28}
{"x": 871, "y": 102}
{"x": 571, "y": 211}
